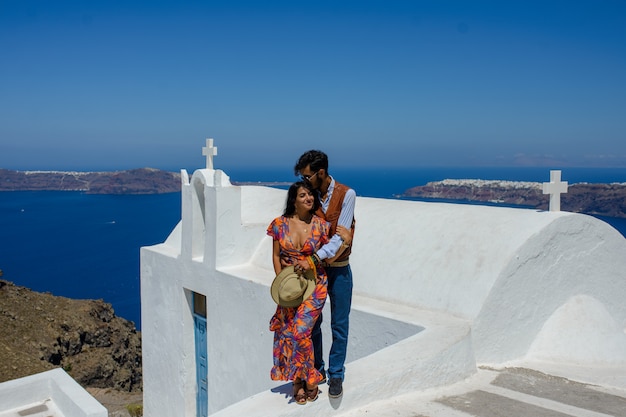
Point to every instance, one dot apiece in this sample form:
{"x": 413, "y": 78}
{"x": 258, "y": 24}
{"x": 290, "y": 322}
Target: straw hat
{"x": 289, "y": 289}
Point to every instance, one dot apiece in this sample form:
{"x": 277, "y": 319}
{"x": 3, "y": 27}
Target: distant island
{"x": 134, "y": 181}
{"x": 597, "y": 199}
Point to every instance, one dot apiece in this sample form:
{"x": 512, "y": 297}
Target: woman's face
{"x": 304, "y": 200}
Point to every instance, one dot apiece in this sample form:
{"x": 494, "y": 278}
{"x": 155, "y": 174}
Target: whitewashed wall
{"x": 506, "y": 272}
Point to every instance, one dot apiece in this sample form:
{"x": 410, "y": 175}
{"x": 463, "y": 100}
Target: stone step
{"x": 512, "y": 392}
{"x": 500, "y": 402}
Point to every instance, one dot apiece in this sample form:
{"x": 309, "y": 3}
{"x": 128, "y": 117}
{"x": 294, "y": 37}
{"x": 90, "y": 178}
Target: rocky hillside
{"x": 40, "y": 331}
{"x": 598, "y": 199}
{"x": 134, "y": 181}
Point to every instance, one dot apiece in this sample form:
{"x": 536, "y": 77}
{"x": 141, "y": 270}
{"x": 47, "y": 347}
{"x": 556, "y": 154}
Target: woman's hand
{"x": 344, "y": 234}
{"x": 301, "y": 266}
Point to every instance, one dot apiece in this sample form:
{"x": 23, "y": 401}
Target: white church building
{"x": 439, "y": 289}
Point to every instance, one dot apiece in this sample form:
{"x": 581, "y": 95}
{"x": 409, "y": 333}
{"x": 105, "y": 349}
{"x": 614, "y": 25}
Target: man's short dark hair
{"x": 316, "y": 159}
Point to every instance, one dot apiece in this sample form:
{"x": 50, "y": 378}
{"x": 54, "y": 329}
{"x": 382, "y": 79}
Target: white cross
{"x": 209, "y": 151}
{"x": 555, "y": 187}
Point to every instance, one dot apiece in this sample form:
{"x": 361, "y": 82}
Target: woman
{"x": 297, "y": 234}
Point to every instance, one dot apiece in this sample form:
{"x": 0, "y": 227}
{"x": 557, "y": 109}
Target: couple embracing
{"x": 312, "y": 241}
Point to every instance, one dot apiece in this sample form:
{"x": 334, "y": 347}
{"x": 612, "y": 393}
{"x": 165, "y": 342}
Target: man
{"x": 338, "y": 209}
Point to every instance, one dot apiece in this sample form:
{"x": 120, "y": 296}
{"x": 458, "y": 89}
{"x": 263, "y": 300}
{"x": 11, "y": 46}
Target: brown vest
{"x": 332, "y": 215}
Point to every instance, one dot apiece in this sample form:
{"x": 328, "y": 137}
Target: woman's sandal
{"x": 299, "y": 392}
{"x": 312, "y": 394}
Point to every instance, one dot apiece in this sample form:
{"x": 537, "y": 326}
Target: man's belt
{"x": 338, "y": 264}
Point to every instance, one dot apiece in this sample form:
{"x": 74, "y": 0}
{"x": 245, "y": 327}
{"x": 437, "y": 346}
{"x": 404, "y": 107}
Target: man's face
{"x": 312, "y": 177}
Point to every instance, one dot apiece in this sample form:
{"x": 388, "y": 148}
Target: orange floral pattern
{"x": 293, "y": 349}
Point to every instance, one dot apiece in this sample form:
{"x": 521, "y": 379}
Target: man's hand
{"x": 344, "y": 234}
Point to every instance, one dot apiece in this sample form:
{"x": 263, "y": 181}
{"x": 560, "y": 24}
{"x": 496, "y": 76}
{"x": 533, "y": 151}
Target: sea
{"x": 84, "y": 246}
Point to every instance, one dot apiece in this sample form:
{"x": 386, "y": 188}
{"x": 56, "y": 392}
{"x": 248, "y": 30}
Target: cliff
{"x": 134, "y": 181}
{"x": 597, "y": 199}
{"x": 40, "y": 331}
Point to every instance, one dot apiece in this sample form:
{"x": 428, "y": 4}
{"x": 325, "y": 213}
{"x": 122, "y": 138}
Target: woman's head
{"x": 301, "y": 194}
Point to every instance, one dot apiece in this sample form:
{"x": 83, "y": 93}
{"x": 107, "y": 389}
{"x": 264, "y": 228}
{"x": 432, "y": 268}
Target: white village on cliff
{"x": 447, "y": 297}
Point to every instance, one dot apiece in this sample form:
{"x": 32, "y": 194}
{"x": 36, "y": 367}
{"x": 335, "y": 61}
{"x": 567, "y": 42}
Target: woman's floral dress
{"x": 292, "y": 326}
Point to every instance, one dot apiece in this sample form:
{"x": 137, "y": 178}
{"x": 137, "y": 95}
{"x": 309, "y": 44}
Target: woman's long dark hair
{"x": 292, "y": 193}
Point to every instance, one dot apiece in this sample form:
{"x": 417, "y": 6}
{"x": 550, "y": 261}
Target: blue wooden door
{"x": 200, "y": 330}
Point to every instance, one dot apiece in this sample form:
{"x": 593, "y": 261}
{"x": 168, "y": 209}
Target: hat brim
{"x": 283, "y": 275}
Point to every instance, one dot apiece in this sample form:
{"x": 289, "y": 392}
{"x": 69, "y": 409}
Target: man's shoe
{"x": 335, "y": 389}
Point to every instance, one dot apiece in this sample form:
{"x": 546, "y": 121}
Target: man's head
{"x": 313, "y": 168}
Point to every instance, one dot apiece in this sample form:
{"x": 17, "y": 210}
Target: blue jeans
{"x": 340, "y": 294}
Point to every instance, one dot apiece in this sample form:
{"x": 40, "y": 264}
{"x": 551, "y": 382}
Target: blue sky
{"x": 91, "y": 85}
